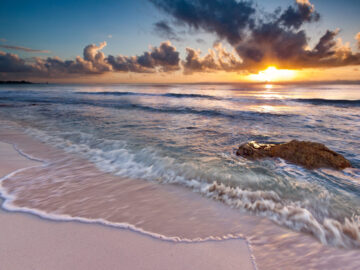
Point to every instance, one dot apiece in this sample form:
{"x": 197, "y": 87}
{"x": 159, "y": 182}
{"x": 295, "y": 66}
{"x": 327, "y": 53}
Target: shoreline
{"x": 272, "y": 246}
{"x": 29, "y": 242}
{"x": 102, "y": 246}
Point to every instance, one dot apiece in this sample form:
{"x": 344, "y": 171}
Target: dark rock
{"x": 310, "y": 155}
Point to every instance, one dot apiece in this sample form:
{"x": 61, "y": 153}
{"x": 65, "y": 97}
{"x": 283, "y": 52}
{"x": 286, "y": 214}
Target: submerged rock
{"x": 310, "y": 155}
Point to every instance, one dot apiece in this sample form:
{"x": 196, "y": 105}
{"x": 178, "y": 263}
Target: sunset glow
{"x": 272, "y": 74}
{"x": 148, "y": 133}
{"x": 184, "y": 41}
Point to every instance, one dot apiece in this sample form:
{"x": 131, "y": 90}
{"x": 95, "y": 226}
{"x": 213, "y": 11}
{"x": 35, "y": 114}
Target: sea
{"x": 160, "y": 159}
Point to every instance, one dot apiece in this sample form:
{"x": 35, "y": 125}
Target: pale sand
{"x": 29, "y": 242}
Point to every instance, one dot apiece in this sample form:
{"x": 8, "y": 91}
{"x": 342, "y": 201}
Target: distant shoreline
{"x": 16, "y": 82}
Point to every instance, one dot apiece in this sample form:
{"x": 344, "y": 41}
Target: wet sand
{"x": 29, "y": 242}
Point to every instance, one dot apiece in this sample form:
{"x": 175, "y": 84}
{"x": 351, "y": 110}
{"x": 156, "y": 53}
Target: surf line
{"x": 8, "y": 205}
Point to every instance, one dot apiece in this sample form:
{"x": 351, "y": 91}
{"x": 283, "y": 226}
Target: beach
{"x": 96, "y": 174}
{"x": 30, "y": 242}
{"x": 180, "y": 134}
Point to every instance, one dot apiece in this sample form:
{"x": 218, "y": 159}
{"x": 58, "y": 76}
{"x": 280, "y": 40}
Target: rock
{"x": 310, "y": 155}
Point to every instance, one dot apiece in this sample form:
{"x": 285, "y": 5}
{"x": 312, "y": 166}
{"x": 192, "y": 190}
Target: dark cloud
{"x": 326, "y": 45}
{"x": 19, "y": 48}
{"x": 303, "y": 11}
{"x": 57, "y": 67}
{"x": 164, "y": 58}
{"x": 271, "y": 44}
{"x": 163, "y": 29}
{"x": 329, "y": 52}
{"x": 127, "y": 64}
{"x": 228, "y": 19}
{"x": 195, "y": 63}
{"x": 259, "y": 39}
{"x": 11, "y": 63}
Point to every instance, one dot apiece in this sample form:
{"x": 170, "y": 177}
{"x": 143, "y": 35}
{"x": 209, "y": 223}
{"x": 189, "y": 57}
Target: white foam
{"x": 113, "y": 156}
{"x": 9, "y": 205}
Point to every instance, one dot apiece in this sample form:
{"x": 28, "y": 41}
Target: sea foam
{"x": 114, "y": 157}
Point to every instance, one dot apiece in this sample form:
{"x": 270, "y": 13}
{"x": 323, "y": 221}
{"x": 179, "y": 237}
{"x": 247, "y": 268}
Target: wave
{"x": 127, "y": 105}
{"x": 293, "y": 215}
{"x": 115, "y": 157}
{"x": 173, "y": 95}
{"x": 205, "y": 112}
{"x": 330, "y": 102}
{"x": 106, "y": 93}
{"x": 10, "y": 206}
{"x": 183, "y": 95}
{"x": 176, "y": 95}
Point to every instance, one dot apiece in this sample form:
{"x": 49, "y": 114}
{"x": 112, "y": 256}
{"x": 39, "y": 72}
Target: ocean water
{"x": 185, "y": 137}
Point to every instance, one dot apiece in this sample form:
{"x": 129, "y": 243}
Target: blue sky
{"x": 65, "y": 27}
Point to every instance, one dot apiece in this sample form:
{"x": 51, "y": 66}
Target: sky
{"x": 179, "y": 40}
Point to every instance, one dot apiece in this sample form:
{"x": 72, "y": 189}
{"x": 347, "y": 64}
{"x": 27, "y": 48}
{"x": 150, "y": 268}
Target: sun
{"x": 272, "y": 74}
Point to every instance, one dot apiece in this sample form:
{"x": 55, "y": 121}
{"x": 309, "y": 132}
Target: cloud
{"x": 11, "y": 63}
{"x": 163, "y": 29}
{"x": 303, "y": 11}
{"x": 164, "y": 58}
{"x": 270, "y": 44}
{"x": 259, "y": 39}
{"x": 325, "y": 46}
{"x": 328, "y": 52}
{"x": 357, "y": 37}
{"x": 3, "y": 39}
{"x": 24, "y": 49}
{"x": 96, "y": 57}
{"x": 195, "y": 63}
{"x": 92, "y": 62}
{"x": 228, "y": 19}
{"x": 217, "y": 59}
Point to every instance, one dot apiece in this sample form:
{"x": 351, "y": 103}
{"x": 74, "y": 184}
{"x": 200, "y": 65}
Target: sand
{"x": 30, "y": 242}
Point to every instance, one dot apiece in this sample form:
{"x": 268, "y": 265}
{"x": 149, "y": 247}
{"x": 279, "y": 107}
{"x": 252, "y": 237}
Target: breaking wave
{"x": 115, "y": 157}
